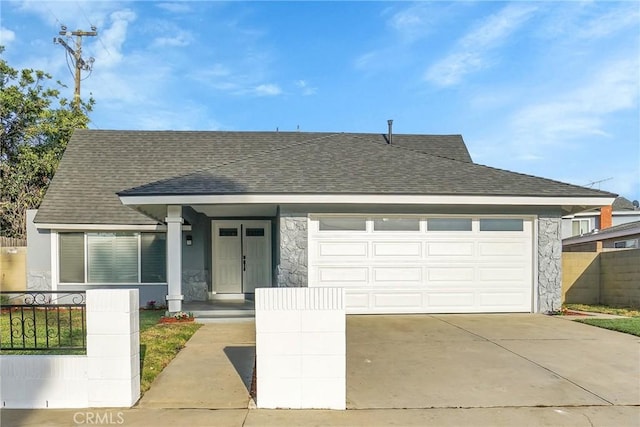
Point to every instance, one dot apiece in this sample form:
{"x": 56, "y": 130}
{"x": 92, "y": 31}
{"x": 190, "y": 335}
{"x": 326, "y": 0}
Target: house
{"x": 618, "y": 237}
{"x": 405, "y": 223}
{"x": 622, "y": 211}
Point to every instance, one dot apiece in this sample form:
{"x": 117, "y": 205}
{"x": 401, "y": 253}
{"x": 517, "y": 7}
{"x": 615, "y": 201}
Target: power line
{"x": 92, "y": 25}
{"x": 79, "y": 63}
{"x": 592, "y": 183}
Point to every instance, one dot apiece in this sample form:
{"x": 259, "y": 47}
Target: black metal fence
{"x": 43, "y": 320}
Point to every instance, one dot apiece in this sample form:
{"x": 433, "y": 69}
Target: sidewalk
{"x": 213, "y": 371}
{"x": 627, "y": 416}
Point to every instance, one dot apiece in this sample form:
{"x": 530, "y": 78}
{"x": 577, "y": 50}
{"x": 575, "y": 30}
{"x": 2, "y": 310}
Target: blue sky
{"x": 545, "y": 88}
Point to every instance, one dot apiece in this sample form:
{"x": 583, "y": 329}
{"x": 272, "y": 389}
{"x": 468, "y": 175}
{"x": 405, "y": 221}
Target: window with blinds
{"x": 112, "y": 257}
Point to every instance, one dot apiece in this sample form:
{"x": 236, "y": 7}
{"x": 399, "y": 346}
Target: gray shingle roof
{"x": 98, "y": 165}
{"x": 622, "y": 204}
{"x": 620, "y": 230}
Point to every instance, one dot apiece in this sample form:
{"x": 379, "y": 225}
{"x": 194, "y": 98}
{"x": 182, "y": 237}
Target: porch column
{"x": 174, "y": 258}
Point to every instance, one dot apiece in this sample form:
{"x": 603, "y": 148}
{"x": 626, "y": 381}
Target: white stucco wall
{"x": 108, "y": 376}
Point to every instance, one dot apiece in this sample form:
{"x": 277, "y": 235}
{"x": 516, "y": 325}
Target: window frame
{"x": 628, "y": 244}
{"x": 580, "y": 221}
{"x": 86, "y": 263}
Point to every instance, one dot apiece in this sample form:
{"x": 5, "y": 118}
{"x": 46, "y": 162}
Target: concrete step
{"x": 223, "y": 313}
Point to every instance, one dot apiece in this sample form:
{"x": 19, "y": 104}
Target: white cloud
{"x": 580, "y": 112}
{"x": 267, "y": 90}
{"x": 413, "y": 22}
{"x": 182, "y": 38}
{"x": 305, "y": 88}
{"x": 471, "y": 52}
{"x": 6, "y": 36}
{"x": 112, "y": 38}
{"x": 611, "y": 22}
{"x": 366, "y": 59}
{"x": 179, "y": 7}
{"x": 226, "y": 78}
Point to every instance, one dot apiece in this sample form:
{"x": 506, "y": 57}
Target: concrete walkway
{"x": 213, "y": 371}
{"x": 415, "y": 370}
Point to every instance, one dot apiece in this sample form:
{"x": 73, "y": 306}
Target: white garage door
{"x": 411, "y": 264}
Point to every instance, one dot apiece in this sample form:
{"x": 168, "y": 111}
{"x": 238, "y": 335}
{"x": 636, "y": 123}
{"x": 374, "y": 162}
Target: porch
{"x": 221, "y": 309}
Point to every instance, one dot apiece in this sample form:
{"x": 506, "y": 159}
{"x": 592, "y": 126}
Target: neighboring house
{"x": 618, "y": 237}
{"x": 405, "y": 223}
{"x": 622, "y": 211}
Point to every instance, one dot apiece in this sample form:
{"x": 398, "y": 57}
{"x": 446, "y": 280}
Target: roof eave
{"x": 568, "y": 204}
{"x": 601, "y": 235}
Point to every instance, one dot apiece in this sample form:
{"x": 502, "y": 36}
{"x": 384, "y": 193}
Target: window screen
{"x": 153, "y": 255}
{"x": 71, "y": 257}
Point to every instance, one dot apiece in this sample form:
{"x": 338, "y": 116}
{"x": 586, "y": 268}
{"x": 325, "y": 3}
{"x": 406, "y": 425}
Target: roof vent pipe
{"x": 390, "y": 135}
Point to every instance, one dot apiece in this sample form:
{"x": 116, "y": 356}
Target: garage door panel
{"x": 443, "y": 275}
{"x": 397, "y": 249}
{"x": 392, "y": 300}
{"x": 342, "y": 249}
{"x": 458, "y": 249}
{"x": 503, "y": 299}
{"x": 502, "y": 249}
{"x": 357, "y": 299}
{"x": 401, "y": 271}
{"x": 398, "y": 274}
{"x": 451, "y": 299}
{"x": 502, "y": 274}
{"x": 328, "y": 275}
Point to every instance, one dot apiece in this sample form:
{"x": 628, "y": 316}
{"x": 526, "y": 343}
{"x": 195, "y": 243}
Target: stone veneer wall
{"x": 549, "y": 263}
{"x": 292, "y": 270}
{"x": 194, "y": 285}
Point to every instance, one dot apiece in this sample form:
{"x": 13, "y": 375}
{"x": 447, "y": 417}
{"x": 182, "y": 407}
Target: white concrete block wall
{"x": 43, "y": 381}
{"x": 108, "y": 376}
{"x": 113, "y": 347}
{"x": 301, "y": 348}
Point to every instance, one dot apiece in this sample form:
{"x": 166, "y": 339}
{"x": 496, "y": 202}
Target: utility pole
{"x": 78, "y": 62}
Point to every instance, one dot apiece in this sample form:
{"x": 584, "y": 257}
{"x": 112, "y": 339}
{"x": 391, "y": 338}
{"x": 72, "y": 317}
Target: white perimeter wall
{"x": 108, "y": 376}
{"x": 300, "y": 348}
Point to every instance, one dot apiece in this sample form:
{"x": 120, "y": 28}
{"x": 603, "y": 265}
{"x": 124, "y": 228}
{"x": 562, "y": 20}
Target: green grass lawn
{"x": 630, "y": 324}
{"x": 149, "y": 318}
{"x": 159, "y": 344}
{"x": 57, "y": 329}
{"x": 629, "y": 312}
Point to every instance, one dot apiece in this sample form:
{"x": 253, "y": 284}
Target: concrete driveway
{"x": 414, "y": 370}
{"x": 487, "y": 361}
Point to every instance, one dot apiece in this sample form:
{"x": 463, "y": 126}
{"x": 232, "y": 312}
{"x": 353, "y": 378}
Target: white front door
{"x": 241, "y": 256}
